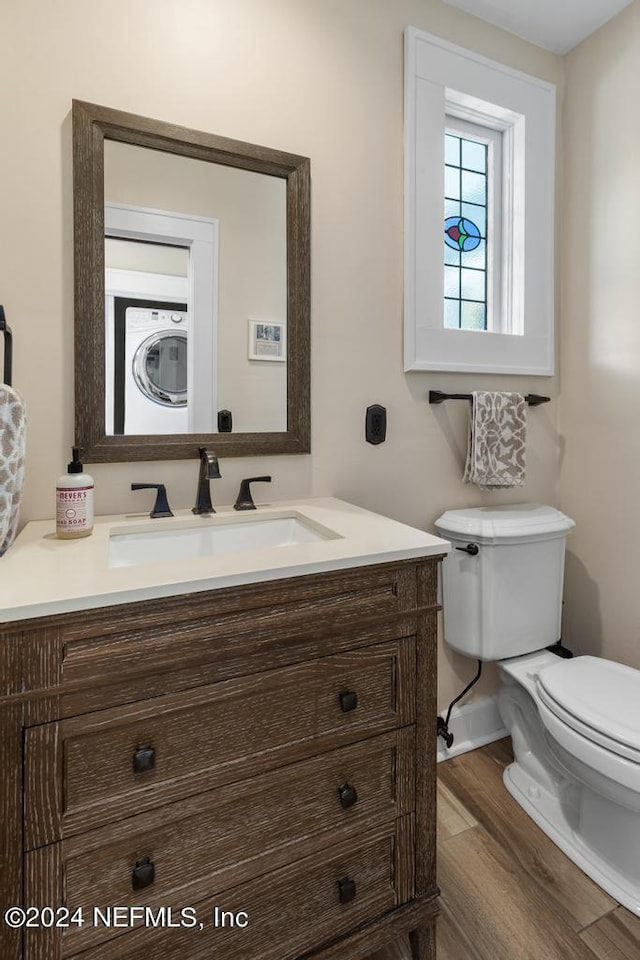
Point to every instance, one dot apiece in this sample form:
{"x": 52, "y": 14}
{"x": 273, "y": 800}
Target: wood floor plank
{"x": 500, "y": 911}
{"x": 453, "y": 817}
{"x": 452, "y": 941}
{"x": 614, "y": 937}
{"x": 475, "y": 779}
{"x": 500, "y": 751}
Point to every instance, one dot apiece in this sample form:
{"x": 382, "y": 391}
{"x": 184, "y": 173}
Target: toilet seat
{"x": 598, "y": 699}
{"x": 606, "y": 764}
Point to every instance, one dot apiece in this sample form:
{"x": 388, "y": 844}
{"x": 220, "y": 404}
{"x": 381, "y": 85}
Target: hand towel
{"x": 496, "y": 447}
{"x": 13, "y": 423}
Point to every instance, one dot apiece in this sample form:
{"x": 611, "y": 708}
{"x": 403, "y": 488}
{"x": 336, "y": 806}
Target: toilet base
{"x": 558, "y": 815}
{"x": 592, "y": 819}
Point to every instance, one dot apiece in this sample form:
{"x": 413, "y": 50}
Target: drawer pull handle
{"x": 348, "y": 795}
{"x": 143, "y": 875}
{"x": 144, "y": 760}
{"x": 348, "y": 700}
{"x": 346, "y": 890}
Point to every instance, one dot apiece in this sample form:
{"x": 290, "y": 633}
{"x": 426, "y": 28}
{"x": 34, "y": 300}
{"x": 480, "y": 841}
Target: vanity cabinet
{"x": 242, "y": 772}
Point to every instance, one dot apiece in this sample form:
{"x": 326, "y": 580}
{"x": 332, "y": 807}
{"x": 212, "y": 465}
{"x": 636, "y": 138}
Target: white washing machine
{"x": 155, "y": 370}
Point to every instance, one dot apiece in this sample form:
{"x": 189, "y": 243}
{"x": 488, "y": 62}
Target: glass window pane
{"x": 451, "y": 256}
{"x": 452, "y": 150}
{"x": 452, "y": 209}
{"x": 465, "y": 233}
{"x": 451, "y": 182}
{"x": 451, "y": 282}
{"x": 452, "y": 314}
{"x": 473, "y": 316}
{"x": 474, "y": 187}
{"x": 474, "y": 258}
{"x": 477, "y": 215}
{"x": 474, "y": 155}
{"x": 472, "y": 284}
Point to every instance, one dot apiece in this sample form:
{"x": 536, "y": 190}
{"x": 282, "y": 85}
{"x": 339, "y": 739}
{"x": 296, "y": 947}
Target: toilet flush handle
{"x": 471, "y": 548}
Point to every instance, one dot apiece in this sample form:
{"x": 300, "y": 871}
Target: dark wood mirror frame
{"x": 92, "y": 124}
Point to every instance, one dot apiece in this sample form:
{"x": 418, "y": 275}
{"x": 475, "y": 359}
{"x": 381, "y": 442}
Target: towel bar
{"x": 437, "y": 396}
{"x": 8, "y": 347}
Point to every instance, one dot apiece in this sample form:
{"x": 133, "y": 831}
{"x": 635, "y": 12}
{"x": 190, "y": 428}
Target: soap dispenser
{"x": 74, "y": 501}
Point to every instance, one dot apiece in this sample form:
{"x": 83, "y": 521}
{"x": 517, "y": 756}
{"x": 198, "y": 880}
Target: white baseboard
{"x": 472, "y": 725}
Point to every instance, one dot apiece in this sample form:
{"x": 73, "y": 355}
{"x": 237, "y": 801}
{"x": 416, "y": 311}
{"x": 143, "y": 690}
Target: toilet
{"x": 574, "y": 723}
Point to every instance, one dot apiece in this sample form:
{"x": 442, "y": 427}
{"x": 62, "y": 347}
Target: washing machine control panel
{"x": 154, "y": 319}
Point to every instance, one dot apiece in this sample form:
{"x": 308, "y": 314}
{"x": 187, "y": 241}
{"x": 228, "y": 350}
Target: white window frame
{"x": 443, "y": 79}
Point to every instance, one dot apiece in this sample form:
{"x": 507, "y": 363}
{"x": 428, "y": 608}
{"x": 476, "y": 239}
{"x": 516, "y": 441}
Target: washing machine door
{"x": 160, "y": 368}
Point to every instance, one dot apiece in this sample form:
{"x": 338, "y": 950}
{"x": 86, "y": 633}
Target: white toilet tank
{"x": 505, "y": 599}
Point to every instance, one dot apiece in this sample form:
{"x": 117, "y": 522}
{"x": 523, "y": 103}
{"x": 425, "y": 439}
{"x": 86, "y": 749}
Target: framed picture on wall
{"x": 267, "y": 341}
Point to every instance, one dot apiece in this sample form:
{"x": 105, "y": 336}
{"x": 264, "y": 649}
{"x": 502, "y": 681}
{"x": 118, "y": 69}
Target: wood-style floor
{"x": 508, "y": 893}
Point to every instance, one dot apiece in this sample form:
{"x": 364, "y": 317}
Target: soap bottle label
{"x": 74, "y": 508}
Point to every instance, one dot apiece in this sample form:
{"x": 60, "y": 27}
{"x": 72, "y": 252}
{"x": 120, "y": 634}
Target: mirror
{"x": 192, "y": 301}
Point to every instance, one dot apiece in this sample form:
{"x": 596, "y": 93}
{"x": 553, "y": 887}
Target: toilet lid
{"x": 598, "y": 695}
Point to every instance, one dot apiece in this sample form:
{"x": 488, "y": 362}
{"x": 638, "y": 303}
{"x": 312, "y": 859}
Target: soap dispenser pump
{"x": 74, "y": 501}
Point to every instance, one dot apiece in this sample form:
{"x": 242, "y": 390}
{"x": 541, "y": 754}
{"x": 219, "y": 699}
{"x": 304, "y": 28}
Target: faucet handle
{"x": 161, "y": 507}
{"x": 245, "y": 500}
{"x": 209, "y": 462}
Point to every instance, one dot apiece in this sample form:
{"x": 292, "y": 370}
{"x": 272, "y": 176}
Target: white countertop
{"x": 41, "y": 575}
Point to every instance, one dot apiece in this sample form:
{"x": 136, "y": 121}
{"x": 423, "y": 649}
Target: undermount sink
{"x": 208, "y": 536}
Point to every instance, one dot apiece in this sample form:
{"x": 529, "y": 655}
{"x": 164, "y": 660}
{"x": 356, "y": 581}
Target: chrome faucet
{"x": 209, "y": 470}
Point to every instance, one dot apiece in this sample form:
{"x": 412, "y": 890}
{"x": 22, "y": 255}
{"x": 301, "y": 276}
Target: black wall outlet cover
{"x": 376, "y": 424}
{"x": 225, "y": 421}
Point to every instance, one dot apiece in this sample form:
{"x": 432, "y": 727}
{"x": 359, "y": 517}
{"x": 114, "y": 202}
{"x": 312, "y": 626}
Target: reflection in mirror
{"x": 245, "y": 275}
{"x": 146, "y": 341}
{"x": 198, "y": 320}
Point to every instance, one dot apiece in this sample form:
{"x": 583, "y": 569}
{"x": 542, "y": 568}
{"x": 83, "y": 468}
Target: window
{"x": 471, "y": 226}
{"x": 473, "y": 129}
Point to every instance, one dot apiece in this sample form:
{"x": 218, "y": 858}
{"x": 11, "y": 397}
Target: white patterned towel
{"x": 496, "y": 448}
{"x": 13, "y": 423}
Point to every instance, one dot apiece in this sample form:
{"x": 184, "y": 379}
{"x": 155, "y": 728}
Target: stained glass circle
{"x": 461, "y": 234}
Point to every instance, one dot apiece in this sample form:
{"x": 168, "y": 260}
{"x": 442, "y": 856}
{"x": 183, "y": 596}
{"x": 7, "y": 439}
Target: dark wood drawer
{"x": 79, "y": 773}
{"x": 219, "y": 839}
{"x": 287, "y": 911}
{"x": 232, "y": 632}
